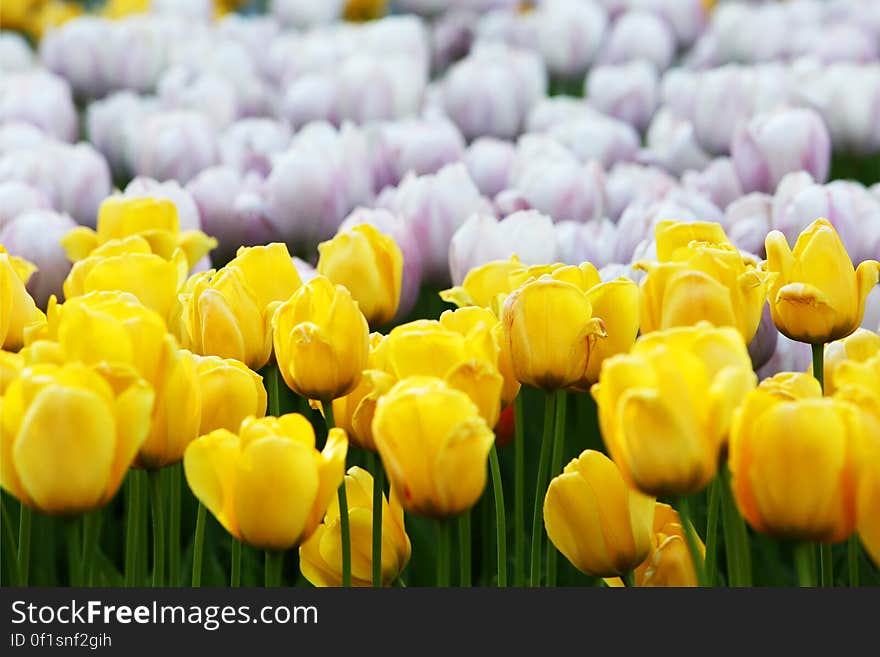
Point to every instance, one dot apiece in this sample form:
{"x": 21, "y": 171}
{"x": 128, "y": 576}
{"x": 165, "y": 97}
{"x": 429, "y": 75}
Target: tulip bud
{"x": 321, "y": 340}
{"x": 568, "y": 35}
{"x": 629, "y": 92}
{"x": 15, "y": 54}
{"x": 627, "y": 182}
{"x": 250, "y": 144}
{"x": 229, "y": 391}
{"x": 718, "y": 182}
{"x": 173, "y": 145}
{"x": 147, "y": 188}
{"x": 639, "y": 35}
{"x": 370, "y": 265}
{"x": 593, "y": 242}
{"x": 36, "y": 237}
{"x": 792, "y": 459}
{"x": 672, "y": 144}
{"x": 858, "y": 347}
{"x": 302, "y": 13}
{"x": 75, "y": 52}
{"x": 70, "y": 435}
{"x": 41, "y": 99}
{"x": 601, "y": 535}
{"x": 676, "y": 389}
{"x": 19, "y": 309}
{"x": 321, "y": 557}
{"x": 268, "y": 486}
{"x": 488, "y": 161}
{"x": 434, "y": 445}
{"x": 373, "y": 88}
{"x": 763, "y": 346}
{"x": 774, "y": 144}
{"x": 596, "y": 137}
{"x": 485, "y": 286}
{"x": 817, "y": 295}
{"x": 211, "y": 95}
{"x": 747, "y": 221}
{"x": 112, "y": 124}
{"x": 17, "y": 198}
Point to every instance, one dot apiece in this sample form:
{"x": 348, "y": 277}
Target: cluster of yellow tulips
{"x": 145, "y": 366}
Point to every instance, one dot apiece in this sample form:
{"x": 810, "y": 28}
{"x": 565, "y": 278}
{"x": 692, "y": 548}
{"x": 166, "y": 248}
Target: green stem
{"x": 235, "y": 575}
{"x": 819, "y": 364}
{"x": 174, "y": 473}
{"x": 443, "y": 552}
{"x": 378, "y": 492}
{"x": 541, "y": 487}
{"x": 464, "y": 549}
{"x": 555, "y": 469}
{"x": 91, "y": 533}
{"x": 24, "y": 544}
{"x": 132, "y": 509}
{"x": 630, "y": 579}
{"x": 74, "y": 555}
{"x": 198, "y": 546}
{"x": 826, "y": 565}
{"x": 852, "y": 559}
{"x": 143, "y": 516}
{"x": 274, "y": 567}
{"x": 825, "y": 559}
{"x": 10, "y": 550}
{"x": 487, "y": 540}
{"x": 804, "y": 559}
{"x": 690, "y": 536}
{"x": 158, "y": 527}
{"x": 271, "y": 375}
{"x": 343, "y": 506}
{"x": 500, "y": 519}
{"x": 519, "y": 504}
{"x": 736, "y": 537}
{"x": 712, "y": 532}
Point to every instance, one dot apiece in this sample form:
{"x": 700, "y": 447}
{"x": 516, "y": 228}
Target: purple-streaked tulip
{"x": 687, "y": 18}
{"x": 18, "y": 136}
{"x": 399, "y": 230}
{"x": 182, "y": 88}
{"x": 250, "y": 144}
{"x": 618, "y": 270}
{"x": 672, "y": 144}
{"x": 77, "y": 52}
{"x": 306, "y": 13}
{"x": 112, "y": 124}
{"x": 871, "y": 319}
{"x": 788, "y": 189}
{"x": 488, "y": 161}
{"x": 592, "y": 241}
{"x": 15, "y": 54}
{"x": 231, "y": 209}
{"x": 306, "y": 271}
{"x": 629, "y": 181}
{"x": 639, "y": 35}
{"x": 719, "y": 182}
{"x": 780, "y": 142}
{"x": 629, "y": 92}
{"x": 173, "y": 145}
{"x": 483, "y": 238}
{"x": 789, "y": 356}
{"x": 138, "y": 48}
{"x": 451, "y": 37}
{"x": 41, "y": 99}
{"x": 322, "y": 177}
{"x": 763, "y": 344}
{"x": 17, "y": 197}
{"x": 380, "y": 88}
{"x": 252, "y": 32}
{"x": 748, "y": 220}
{"x": 569, "y": 33}
{"x": 490, "y": 92}
{"x": 435, "y": 206}
{"x": 187, "y": 211}
{"x": 310, "y": 97}
{"x": 552, "y": 110}
{"x": 752, "y": 34}
{"x": 595, "y": 137}
{"x": 36, "y": 237}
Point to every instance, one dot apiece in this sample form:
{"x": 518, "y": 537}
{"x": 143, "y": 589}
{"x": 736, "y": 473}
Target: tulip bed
{"x": 563, "y": 293}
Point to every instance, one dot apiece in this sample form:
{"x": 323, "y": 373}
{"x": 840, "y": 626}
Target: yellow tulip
{"x": 700, "y": 275}
{"x": 467, "y": 360}
{"x": 792, "y": 459}
{"x": 598, "y": 522}
{"x": 669, "y": 562}
{"x": 230, "y": 392}
{"x": 11, "y": 365}
{"x": 268, "y": 486}
{"x": 858, "y": 347}
{"x": 370, "y": 265}
{"x": 551, "y": 332}
{"x": 364, "y": 10}
{"x": 115, "y": 9}
{"x": 68, "y": 436}
{"x": 485, "y": 286}
{"x": 129, "y": 265}
{"x": 665, "y": 408}
{"x": 434, "y": 446}
{"x": 320, "y": 557}
{"x": 51, "y": 15}
{"x": 322, "y": 341}
{"x": 868, "y": 499}
{"x": 17, "y": 308}
{"x": 153, "y": 219}
{"x": 817, "y": 296}
{"x": 19, "y": 14}
{"x": 228, "y": 313}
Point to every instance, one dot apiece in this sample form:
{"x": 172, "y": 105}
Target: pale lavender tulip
{"x": 763, "y": 344}
{"x": 380, "y": 88}
{"x": 752, "y": 34}
{"x": 16, "y": 136}
{"x": 313, "y": 186}
{"x": 491, "y": 91}
{"x": 195, "y": 10}
{"x": 399, "y": 230}
{"x": 435, "y": 206}
{"x": 718, "y": 182}
{"x": 15, "y": 54}
{"x": 36, "y": 237}
{"x": 187, "y": 211}
{"x": 311, "y": 97}
{"x": 569, "y": 33}
{"x": 451, "y": 37}
{"x": 617, "y": 270}
{"x": 639, "y": 35}
{"x": 82, "y": 182}
{"x": 253, "y": 33}
{"x": 774, "y": 144}
{"x": 231, "y": 209}
{"x": 306, "y": 271}
{"x": 112, "y": 124}
{"x": 306, "y": 13}
{"x": 181, "y": 88}
{"x": 483, "y": 238}
{"x": 250, "y": 144}
{"x": 592, "y": 241}
{"x": 672, "y": 144}
{"x": 138, "y": 48}
{"x": 747, "y": 221}
{"x": 41, "y": 99}
{"x": 789, "y": 356}
{"x": 678, "y": 91}
{"x": 871, "y": 318}
{"x": 628, "y": 181}
{"x": 173, "y": 145}
{"x": 17, "y": 198}
{"x": 629, "y": 92}
{"x": 595, "y": 137}
{"x": 687, "y": 18}
{"x": 838, "y": 42}
{"x": 77, "y": 51}
{"x": 418, "y": 146}
{"x": 489, "y": 161}
{"x": 553, "y": 110}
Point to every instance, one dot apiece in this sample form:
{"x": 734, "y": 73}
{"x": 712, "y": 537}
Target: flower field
{"x": 428, "y": 293}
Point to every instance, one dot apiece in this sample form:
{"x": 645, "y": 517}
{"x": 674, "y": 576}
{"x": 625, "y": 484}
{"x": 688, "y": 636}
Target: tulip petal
{"x": 802, "y": 312}
{"x": 209, "y": 465}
